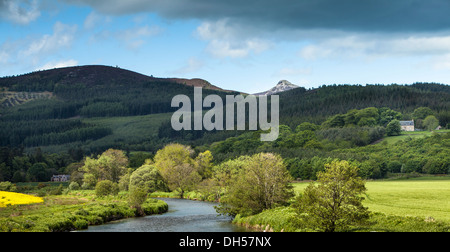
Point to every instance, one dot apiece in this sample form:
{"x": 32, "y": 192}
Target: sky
{"x": 246, "y": 46}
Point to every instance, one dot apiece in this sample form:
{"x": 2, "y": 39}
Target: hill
{"x": 53, "y": 107}
{"x": 90, "y": 75}
{"x": 98, "y": 107}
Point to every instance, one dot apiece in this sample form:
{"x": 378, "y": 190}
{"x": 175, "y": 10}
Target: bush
{"x": 7, "y": 186}
{"x": 395, "y": 166}
{"x": 106, "y": 187}
{"x": 74, "y": 186}
{"x": 56, "y": 191}
{"x": 136, "y": 198}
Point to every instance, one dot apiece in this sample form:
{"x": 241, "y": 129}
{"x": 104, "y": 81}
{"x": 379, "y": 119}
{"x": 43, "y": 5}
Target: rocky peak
{"x": 283, "y": 85}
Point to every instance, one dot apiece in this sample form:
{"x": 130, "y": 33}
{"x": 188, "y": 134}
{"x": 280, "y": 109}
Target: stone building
{"x": 407, "y": 125}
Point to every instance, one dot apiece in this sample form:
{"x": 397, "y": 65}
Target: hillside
{"x": 53, "y": 107}
{"x": 97, "y": 107}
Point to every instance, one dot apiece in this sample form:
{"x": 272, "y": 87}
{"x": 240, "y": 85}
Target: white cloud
{"x": 62, "y": 37}
{"x": 226, "y": 40}
{"x": 59, "y": 64}
{"x": 134, "y": 38}
{"x": 29, "y": 52}
{"x": 192, "y": 65}
{"x": 91, "y": 20}
{"x": 294, "y": 71}
{"x": 94, "y": 20}
{"x": 372, "y": 46}
{"x": 19, "y": 11}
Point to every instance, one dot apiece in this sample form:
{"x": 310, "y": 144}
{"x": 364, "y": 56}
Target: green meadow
{"x": 423, "y": 197}
{"x": 412, "y": 134}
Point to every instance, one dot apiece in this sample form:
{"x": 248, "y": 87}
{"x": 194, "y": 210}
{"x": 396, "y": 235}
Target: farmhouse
{"x": 407, "y": 125}
{"x": 60, "y": 178}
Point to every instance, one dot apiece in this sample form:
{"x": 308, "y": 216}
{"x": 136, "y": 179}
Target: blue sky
{"x": 246, "y": 46}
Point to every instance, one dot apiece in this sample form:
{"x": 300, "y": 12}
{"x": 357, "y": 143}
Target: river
{"x": 183, "y": 216}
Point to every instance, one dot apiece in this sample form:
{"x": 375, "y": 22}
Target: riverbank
{"x": 73, "y": 211}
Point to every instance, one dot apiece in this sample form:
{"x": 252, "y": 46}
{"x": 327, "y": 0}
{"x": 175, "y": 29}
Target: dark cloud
{"x": 19, "y": 11}
{"x": 348, "y": 15}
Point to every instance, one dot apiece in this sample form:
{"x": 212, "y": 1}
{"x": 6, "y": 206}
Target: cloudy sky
{"x": 241, "y": 45}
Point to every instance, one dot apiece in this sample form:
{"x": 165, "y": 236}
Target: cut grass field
{"x": 422, "y": 197}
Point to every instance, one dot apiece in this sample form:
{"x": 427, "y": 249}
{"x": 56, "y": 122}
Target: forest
{"x": 316, "y": 124}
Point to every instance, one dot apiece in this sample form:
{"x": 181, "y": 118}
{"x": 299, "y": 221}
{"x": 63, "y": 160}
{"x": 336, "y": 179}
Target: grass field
{"x": 412, "y": 134}
{"x": 420, "y": 197}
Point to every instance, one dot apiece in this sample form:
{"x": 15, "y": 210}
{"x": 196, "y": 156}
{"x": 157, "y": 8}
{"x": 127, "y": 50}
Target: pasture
{"x": 411, "y": 134}
{"x": 422, "y": 197}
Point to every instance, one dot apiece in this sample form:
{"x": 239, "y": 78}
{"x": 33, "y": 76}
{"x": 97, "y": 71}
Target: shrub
{"x": 106, "y": 187}
{"x": 394, "y": 166}
{"x": 7, "y": 187}
{"x": 136, "y": 198}
{"x": 74, "y": 186}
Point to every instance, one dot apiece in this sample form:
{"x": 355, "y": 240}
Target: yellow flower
{"x": 11, "y": 198}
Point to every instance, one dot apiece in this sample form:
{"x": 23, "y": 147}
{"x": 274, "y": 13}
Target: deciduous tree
{"x": 263, "y": 183}
{"x": 336, "y": 200}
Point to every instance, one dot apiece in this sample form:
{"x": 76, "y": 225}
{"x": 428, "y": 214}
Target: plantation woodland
{"x": 110, "y": 130}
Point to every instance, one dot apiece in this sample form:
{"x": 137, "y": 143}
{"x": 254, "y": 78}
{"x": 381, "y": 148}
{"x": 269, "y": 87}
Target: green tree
{"x": 225, "y": 172}
{"x": 307, "y": 126}
{"x": 335, "y": 202}
{"x": 148, "y": 178}
{"x": 422, "y": 113}
{"x": 393, "y": 128}
{"x": 38, "y": 172}
{"x": 182, "y": 178}
{"x": 262, "y": 183}
{"x": 111, "y": 165}
{"x": 430, "y": 122}
{"x": 172, "y": 155}
{"x": 419, "y": 116}
{"x": 203, "y": 164}
{"x": 387, "y": 115}
{"x": 106, "y": 187}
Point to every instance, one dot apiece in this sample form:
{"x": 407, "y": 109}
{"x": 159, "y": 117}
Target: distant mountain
{"x": 282, "y": 86}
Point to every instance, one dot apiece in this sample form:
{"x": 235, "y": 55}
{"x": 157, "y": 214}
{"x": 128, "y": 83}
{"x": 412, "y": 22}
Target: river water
{"x": 183, "y": 216}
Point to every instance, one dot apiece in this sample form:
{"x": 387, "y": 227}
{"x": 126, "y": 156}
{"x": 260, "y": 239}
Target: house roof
{"x": 407, "y": 123}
